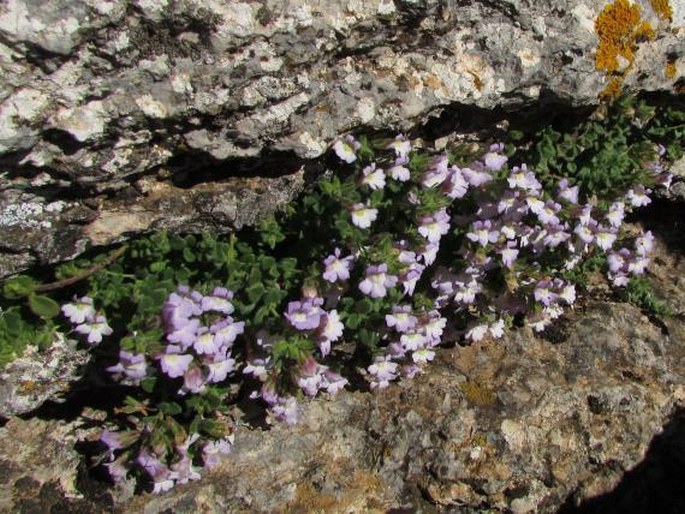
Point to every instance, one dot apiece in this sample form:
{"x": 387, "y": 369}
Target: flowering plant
{"x": 400, "y": 250}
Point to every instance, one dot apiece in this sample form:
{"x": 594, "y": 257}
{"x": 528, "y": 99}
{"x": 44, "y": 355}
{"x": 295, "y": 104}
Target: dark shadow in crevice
{"x": 194, "y": 168}
{"x": 654, "y": 485}
{"x": 667, "y": 219}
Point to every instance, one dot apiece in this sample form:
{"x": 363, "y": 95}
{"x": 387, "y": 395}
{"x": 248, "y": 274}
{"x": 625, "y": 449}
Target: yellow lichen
{"x": 477, "y": 394}
{"x": 662, "y": 8}
{"x": 617, "y": 27}
{"x": 670, "y": 68}
{"x": 613, "y": 89}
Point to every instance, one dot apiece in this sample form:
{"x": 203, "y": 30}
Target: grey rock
{"x": 37, "y": 376}
{"x": 96, "y": 96}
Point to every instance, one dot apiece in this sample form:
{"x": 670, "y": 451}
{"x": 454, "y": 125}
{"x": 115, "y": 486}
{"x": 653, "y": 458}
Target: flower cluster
{"x": 88, "y": 322}
{"x": 307, "y": 324}
{"x": 424, "y": 248}
{"x": 200, "y": 335}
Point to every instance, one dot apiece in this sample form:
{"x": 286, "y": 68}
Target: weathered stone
{"x": 98, "y": 95}
{"x": 28, "y": 381}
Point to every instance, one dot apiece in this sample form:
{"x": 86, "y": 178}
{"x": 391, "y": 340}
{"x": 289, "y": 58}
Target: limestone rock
{"x": 102, "y": 101}
{"x": 28, "y": 381}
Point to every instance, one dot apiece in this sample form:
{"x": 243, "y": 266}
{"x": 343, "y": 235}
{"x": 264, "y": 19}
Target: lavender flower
{"x": 214, "y": 450}
{"x": 337, "y": 268}
{"x": 482, "y": 232}
{"x": 570, "y": 194}
{"x": 383, "y": 371}
{"x": 493, "y": 159}
{"x": 456, "y": 185}
{"x": 80, "y": 310}
{"x": 521, "y": 178}
{"x": 639, "y": 196}
{"x": 399, "y": 171}
{"x": 94, "y": 327}
{"x": 435, "y": 226}
{"x": 305, "y": 315}
{"x": 218, "y": 370}
{"x": 377, "y": 281}
{"x": 175, "y": 364}
{"x": 401, "y": 146}
{"x": 476, "y": 177}
{"x": 227, "y": 331}
{"x": 132, "y": 365}
{"x": 373, "y": 177}
{"x": 346, "y": 149}
{"x": 401, "y": 318}
{"x": 363, "y": 215}
{"x": 218, "y": 301}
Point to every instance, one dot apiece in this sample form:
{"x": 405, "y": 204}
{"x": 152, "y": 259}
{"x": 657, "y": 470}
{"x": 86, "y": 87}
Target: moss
{"x": 477, "y": 393}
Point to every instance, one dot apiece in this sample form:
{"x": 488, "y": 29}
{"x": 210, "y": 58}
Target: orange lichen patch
{"x": 618, "y": 27}
{"x": 663, "y": 9}
{"x": 613, "y": 89}
{"x": 670, "y": 68}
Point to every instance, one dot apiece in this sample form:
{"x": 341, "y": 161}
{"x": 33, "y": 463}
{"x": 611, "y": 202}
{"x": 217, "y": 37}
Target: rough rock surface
{"x": 118, "y": 117}
{"x": 29, "y": 381}
{"x": 528, "y": 424}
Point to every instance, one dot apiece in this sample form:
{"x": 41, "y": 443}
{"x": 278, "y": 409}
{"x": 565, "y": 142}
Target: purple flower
{"x": 482, "y": 233}
{"x": 94, "y": 327}
{"x": 437, "y": 173}
{"x": 331, "y": 328}
{"x": 401, "y": 146}
{"x": 305, "y": 315}
{"x": 410, "y": 276}
{"x": 414, "y": 340}
{"x": 456, "y": 185}
{"x": 226, "y": 331}
{"x": 423, "y": 356}
{"x": 286, "y": 410}
{"x": 544, "y": 293}
{"x": 644, "y": 243}
{"x": 570, "y": 194}
{"x": 80, "y": 310}
{"x": 178, "y": 309}
{"x": 204, "y": 342}
{"x": 363, "y": 215}
{"x": 433, "y": 325}
{"x": 476, "y": 177}
{"x": 477, "y": 332}
{"x": 132, "y": 365}
{"x": 401, "y": 318}
{"x": 373, "y": 177}
{"x": 185, "y": 332}
{"x": 377, "y": 281}
{"x": 548, "y": 213}
{"x": 175, "y": 364}
{"x": 493, "y": 159}
{"x": 383, "y": 371}
{"x": 605, "y": 237}
{"x": 346, "y": 149}
{"x": 118, "y": 469}
{"x": 214, "y": 450}
{"x": 193, "y": 381}
{"x": 219, "y": 369}
{"x": 435, "y": 226}
{"x": 429, "y": 253}
{"x": 158, "y": 471}
{"x": 337, "y": 268}
{"x": 509, "y": 254}
{"x": 218, "y": 301}
{"x": 399, "y": 171}
{"x": 616, "y": 214}
{"x": 639, "y": 196}
{"x": 521, "y": 178}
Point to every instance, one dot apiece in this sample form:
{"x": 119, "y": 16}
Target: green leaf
{"x": 19, "y": 287}
{"x": 170, "y": 408}
{"x": 148, "y": 384}
{"x": 43, "y": 306}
